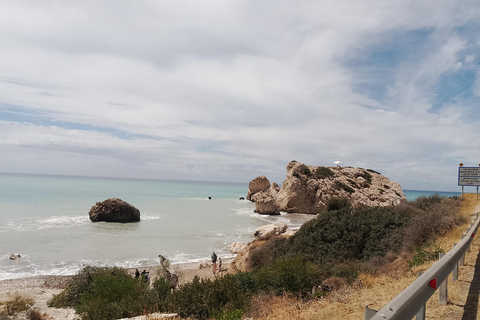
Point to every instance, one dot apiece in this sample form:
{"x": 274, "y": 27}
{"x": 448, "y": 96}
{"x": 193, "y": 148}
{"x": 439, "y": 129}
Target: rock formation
{"x": 270, "y": 230}
{"x": 114, "y": 210}
{"x": 240, "y": 263}
{"x": 265, "y": 204}
{"x": 236, "y": 247}
{"x": 15, "y": 256}
{"x": 307, "y": 189}
{"x": 256, "y": 185}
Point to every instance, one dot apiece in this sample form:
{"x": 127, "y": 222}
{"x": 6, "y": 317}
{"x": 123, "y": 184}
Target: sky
{"x": 230, "y": 90}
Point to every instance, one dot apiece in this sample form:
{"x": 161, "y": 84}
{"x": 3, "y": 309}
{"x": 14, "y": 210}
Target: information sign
{"x": 469, "y": 176}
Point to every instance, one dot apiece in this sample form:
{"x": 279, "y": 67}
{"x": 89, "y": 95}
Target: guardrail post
{"x": 461, "y": 263}
{"x": 455, "y": 270}
{"x": 369, "y": 313}
{"x": 442, "y": 291}
{"x": 468, "y": 250}
{"x": 421, "y": 313}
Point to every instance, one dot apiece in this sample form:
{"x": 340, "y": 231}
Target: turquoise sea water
{"x": 414, "y": 194}
{"x": 45, "y": 219}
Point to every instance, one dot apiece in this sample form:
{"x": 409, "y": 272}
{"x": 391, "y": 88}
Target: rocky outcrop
{"x": 307, "y": 189}
{"x": 256, "y": 185}
{"x": 241, "y": 261}
{"x": 114, "y": 210}
{"x": 270, "y": 230}
{"x": 15, "y": 256}
{"x": 265, "y": 204}
{"x": 237, "y": 247}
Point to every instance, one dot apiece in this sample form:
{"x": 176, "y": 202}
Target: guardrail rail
{"x": 412, "y": 300}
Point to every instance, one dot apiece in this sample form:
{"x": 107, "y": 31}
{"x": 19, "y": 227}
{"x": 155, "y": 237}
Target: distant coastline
{"x": 414, "y": 194}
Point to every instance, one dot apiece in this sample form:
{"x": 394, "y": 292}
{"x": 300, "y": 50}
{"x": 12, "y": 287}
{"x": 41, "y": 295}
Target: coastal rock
{"x": 114, "y": 210}
{"x": 204, "y": 264}
{"x": 256, "y": 185}
{"x": 289, "y": 232}
{"x": 270, "y": 230}
{"x": 15, "y": 256}
{"x": 307, "y": 189}
{"x": 265, "y": 204}
{"x": 237, "y": 247}
{"x": 241, "y": 261}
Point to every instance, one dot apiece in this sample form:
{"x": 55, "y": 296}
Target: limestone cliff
{"x": 307, "y": 189}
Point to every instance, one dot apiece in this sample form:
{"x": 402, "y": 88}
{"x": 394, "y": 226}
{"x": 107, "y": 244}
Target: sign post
{"x": 469, "y": 176}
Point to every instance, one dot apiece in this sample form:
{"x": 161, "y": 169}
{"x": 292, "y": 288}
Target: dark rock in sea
{"x": 15, "y": 256}
{"x": 114, "y": 210}
{"x": 241, "y": 198}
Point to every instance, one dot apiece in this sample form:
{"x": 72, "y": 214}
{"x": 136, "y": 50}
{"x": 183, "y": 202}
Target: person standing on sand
{"x": 137, "y": 274}
{"x": 214, "y": 262}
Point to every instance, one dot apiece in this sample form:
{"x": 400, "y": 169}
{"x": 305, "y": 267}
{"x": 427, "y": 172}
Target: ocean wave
{"x": 148, "y": 217}
{"x": 36, "y": 223}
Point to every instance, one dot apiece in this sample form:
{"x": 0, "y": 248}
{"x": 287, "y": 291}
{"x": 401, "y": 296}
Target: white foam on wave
{"x": 198, "y": 199}
{"x": 148, "y": 217}
{"x": 36, "y": 223}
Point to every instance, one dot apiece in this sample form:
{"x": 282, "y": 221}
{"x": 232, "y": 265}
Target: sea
{"x": 44, "y": 218}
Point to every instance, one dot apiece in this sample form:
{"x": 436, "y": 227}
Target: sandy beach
{"x": 42, "y": 288}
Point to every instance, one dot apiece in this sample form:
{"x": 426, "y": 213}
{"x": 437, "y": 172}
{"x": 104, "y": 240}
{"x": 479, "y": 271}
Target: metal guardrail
{"x": 406, "y": 305}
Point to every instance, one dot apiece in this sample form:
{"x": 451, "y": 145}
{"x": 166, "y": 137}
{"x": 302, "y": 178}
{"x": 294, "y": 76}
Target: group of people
{"x": 145, "y": 275}
{"x": 214, "y": 263}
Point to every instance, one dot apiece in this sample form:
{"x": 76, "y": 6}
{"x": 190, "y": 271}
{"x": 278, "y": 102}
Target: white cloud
{"x": 230, "y": 90}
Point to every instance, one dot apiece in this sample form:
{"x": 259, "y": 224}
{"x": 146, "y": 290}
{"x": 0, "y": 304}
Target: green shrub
{"x": 367, "y": 176}
{"x": 289, "y": 274}
{"x": 162, "y": 288}
{"x": 428, "y": 252}
{"x": 323, "y": 173}
{"x": 203, "y": 298}
{"x": 424, "y": 203}
{"x": 431, "y": 217}
{"x": 265, "y": 255}
{"x": 303, "y": 169}
{"x": 336, "y": 203}
{"x": 349, "y": 234}
{"x": 343, "y": 186}
{"x": 114, "y": 297}
{"x": 106, "y": 293}
{"x": 81, "y": 283}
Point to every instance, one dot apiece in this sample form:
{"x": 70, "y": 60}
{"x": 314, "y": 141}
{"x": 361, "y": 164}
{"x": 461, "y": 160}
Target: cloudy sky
{"x": 229, "y": 90}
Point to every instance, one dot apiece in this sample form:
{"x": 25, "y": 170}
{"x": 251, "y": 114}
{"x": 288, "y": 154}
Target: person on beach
{"x": 137, "y": 274}
{"x": 219, "y": 264}
{"x": 173, "y": 282}
{"x": 147, "y": 277}
{"x": 214, "y": 262}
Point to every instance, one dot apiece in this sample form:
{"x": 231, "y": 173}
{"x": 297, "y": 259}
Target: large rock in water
{"x": 114, "y": 210}
{"x": 265, "y": 204}
{"x": 256, "y": 185}
{"x": 307, "y": 189}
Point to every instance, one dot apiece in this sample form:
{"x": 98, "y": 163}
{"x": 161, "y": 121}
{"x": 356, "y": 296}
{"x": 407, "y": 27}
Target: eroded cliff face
{"x": 307, "y": 189}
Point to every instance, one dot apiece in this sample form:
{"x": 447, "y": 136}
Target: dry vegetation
{"x": 376, "y": 291}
